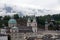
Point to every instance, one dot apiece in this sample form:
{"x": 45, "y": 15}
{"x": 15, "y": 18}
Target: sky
{"x": 37, "y": 4}
{"x": 47, "y": 4}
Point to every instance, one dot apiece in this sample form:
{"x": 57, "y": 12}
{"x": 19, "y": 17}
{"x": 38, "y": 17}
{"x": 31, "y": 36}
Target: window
{"x": 29, "y": 24}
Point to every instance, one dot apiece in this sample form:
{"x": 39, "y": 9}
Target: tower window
{"x": 35, "y": 24}
{"x": 29, "y": 24}
{"x": 31, "y": 20}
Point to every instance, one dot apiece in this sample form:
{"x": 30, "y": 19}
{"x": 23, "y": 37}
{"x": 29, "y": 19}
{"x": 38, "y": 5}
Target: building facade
{"x": 30, "y": 31}
{"x": 3, "y": 37}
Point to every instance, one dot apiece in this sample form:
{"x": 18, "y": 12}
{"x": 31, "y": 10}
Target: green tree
{"x": 5, "y": 20}
{"x": 16, "y": 16}
{"x": 1, "y": 22}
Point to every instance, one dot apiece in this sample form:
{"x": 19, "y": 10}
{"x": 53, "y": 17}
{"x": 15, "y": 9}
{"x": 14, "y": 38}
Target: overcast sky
{"x": 36, "y": 4}
{"x": 41, "y": 4}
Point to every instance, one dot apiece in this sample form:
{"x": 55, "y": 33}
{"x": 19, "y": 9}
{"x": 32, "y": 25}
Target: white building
{"x": 3, "y": 37}
{"x": 3, "y": 31}
{"x": 33, "y": 23}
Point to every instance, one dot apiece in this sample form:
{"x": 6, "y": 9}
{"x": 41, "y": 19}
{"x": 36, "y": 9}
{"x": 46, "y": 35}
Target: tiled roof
{"x": 22, "y": 22}
{"x": 25, "y": 29}
{"x": 3, "y": 35}
{"x": 21, "y": 29}
{"x": 31, "y": 38}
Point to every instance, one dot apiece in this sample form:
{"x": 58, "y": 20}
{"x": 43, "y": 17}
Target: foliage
{"x": 40, "y": 19}
{"x": 5, "y": 20}
{"x": 16, "y": 16}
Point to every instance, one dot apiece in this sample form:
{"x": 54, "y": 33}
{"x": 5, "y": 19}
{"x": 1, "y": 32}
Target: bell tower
{"x": 28, "y": 22}
{"x": 12, "y": 22}
{"x": 34, "y": 25}
{"x": 46, "y": 25}
{"x": 32, "y": 22}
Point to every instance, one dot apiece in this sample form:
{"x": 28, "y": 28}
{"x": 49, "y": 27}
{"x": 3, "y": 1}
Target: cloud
{"x": 35, "y": 4}
{"x": 48, "y": 4}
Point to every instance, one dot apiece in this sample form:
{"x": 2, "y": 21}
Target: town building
{"x": 26, "y": 30}
{"x": 3, "y": 37}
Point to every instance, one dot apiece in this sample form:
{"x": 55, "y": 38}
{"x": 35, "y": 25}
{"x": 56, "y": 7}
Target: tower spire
{"x": 29, "y": 20}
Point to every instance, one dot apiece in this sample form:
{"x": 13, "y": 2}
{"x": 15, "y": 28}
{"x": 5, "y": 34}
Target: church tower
{"x": 32, "y": 22}
{"x": 46, "y": 25}
{"x": 29, "y": 22}
{"x": 12, "y": 23}
{"x": 34, "y": 25}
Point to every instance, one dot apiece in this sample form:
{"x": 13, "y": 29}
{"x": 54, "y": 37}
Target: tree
{"x": 16, "y": 16}
{"x": 5, "y": 20}
{"x": 1, "y": 22}
{"x": 0, "y": 17}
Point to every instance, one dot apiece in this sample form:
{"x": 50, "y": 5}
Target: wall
{"x": 3, "y": 37}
